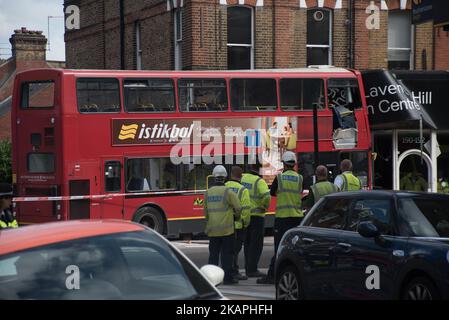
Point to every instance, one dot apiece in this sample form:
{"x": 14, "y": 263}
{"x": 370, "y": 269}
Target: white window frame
{"x": 244, "y": 45}
{"x": 410, "y": 50}
{"x": 178, "y": 17}
{"x": 138, "y": 46}
{"x": 330, "y": 45}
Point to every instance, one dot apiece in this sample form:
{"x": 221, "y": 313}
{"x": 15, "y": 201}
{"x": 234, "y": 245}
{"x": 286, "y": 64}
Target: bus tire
{"x": 151, "y": 218}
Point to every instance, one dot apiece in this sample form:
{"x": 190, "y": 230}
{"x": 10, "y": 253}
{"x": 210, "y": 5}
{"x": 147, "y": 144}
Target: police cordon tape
{"x": 96, "y": 196}
{"x": 107, "y": 196}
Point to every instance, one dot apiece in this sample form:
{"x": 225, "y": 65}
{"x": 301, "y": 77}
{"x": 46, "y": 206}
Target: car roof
{"x": 27, "y": 237}
{"x": 367, "y": 194}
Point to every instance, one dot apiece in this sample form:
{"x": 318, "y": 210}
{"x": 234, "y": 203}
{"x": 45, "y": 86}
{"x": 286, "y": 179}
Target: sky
{"x": 33, "y": 14}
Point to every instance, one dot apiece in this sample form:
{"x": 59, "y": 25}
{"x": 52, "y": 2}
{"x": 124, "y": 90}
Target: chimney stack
{"x": 28, "y": 45}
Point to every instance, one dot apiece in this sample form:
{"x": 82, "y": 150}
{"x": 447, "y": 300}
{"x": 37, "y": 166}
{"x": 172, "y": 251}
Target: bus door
{"x": 83, "y": 181}
{"x": 112, "y": 187}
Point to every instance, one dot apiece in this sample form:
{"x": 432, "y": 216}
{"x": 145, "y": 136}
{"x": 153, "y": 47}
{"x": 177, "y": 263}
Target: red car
{"x": 104, "y": 259}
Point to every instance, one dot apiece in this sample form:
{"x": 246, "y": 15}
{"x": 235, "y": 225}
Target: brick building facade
{"x": 432, "y": 47}
{"x": 197, "y": 34}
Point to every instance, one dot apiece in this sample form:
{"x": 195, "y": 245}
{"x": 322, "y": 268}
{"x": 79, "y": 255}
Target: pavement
{"x": 198, "y": 252}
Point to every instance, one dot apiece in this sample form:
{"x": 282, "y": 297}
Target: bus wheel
{"x": 151, "y": 218}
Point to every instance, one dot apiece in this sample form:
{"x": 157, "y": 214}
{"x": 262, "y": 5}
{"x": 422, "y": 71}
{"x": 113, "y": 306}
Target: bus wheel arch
{"x": 152, "y": 216}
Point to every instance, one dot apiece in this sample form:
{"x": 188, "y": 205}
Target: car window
{"x": 376, "y": 211}
{"x": 422, "y": 217}
{"x": 8, "y": 267}
{"x": 132, "y": 265}
{"x": 330, "y": 214}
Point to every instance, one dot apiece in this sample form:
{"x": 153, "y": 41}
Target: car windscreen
{"x": 424, "y": 217}
{"x": 132, "y": 265}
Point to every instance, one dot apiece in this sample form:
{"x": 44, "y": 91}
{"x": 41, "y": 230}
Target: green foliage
{"x": 5, "y": 161}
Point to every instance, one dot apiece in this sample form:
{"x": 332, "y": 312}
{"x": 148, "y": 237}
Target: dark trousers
{"x": 222, "y": 248}
{"x": 281, "y": 226}
{"x": 254, "y": 243}
{"x": 240, "y": 235}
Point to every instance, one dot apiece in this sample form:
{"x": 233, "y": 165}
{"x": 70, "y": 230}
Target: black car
{"x": 368, "y": 245}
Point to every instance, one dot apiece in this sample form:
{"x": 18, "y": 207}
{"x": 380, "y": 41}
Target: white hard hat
{"x": 289, "y": 157}
{"x": 220, "y": 171}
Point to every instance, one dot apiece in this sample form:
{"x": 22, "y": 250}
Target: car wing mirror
{"x": 213, "y": 273}
{"x": 368, "y": 229}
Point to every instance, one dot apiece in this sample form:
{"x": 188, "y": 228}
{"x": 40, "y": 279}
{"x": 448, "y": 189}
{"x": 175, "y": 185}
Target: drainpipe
{"x": 433, "y": 45}
{"x": 350, "y": 27}
{"x": 122, "y": 34}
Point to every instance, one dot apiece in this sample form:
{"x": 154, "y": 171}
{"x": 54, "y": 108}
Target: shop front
{"x": 409, "y": 118}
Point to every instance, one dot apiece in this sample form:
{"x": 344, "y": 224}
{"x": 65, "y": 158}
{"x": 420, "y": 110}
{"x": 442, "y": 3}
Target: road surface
{"x": 198, "y": 252}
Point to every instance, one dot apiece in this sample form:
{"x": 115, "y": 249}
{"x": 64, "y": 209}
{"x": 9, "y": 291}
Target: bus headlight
{"x": 58, "y": 217}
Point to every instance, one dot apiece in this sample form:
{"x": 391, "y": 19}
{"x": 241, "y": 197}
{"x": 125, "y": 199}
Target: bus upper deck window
{"x": 98, "y": 95}
{"x": 37, "y": 94}
{"x": 344, "y": 93}
{"x": 196, "y": 95}
{"x": 149, "y": 95}
{"x": 253, "y": 95}
{"x": 301, "y": 94}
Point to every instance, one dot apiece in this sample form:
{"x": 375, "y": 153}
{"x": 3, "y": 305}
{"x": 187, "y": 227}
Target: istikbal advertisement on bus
{"x": 263, "y": 140}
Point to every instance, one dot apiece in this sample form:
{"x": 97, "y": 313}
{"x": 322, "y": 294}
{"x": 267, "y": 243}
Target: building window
{"x": 240, "y": 38}
{"x": 319, "y": 37}
{"x": 138, "y": 47}
{"x": 178, "y": 39}
{"x": 399, "y": 39}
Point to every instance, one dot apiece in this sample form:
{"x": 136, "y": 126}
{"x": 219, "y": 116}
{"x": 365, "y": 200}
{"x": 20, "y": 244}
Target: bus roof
{"x": 310, "y": 70}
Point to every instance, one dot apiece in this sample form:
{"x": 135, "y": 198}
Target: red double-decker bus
{"x": 93, "y": 144}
